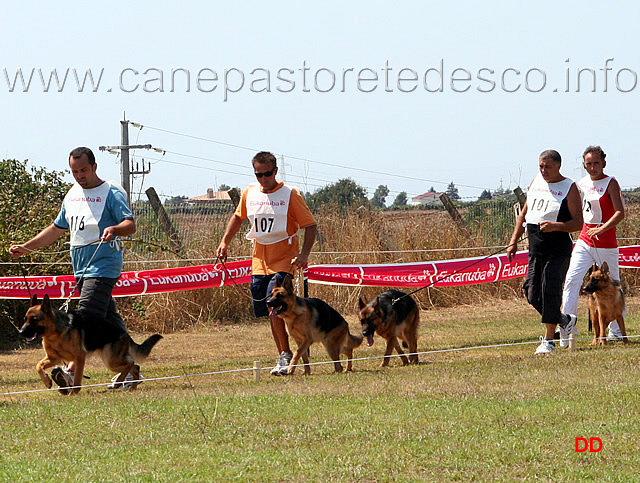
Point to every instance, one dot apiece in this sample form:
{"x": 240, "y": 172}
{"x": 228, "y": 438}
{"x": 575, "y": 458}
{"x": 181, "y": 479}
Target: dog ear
{"x": 287, "y": 283}
{"x": 34, "y": 300}
{"x": 605, "y": 267}
{"x": 379, "y": 309}
{"x": 592, "y": 269}
{"x": 361, "y": 304}
{"x": 46, "y": 304}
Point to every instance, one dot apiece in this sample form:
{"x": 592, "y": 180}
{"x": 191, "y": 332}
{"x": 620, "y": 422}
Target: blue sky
{"x": 410, "y": 94}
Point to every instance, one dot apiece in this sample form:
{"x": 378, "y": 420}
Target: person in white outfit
{"x": 602, "y": 210}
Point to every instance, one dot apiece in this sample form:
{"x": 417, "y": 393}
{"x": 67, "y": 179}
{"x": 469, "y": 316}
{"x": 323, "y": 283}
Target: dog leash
{"x": 65, "y": 305}
{"x": 235, "y": 285}
{"x": 24, "y": 276}
{"x": 43, "y": 252}
{"x": 501, "y": 249}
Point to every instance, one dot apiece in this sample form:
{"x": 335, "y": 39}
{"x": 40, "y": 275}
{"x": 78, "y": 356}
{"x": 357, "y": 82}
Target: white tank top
{"x": 544, "y": 199}
{"x": 592, "y": 193}
{"x": 83, "y": 211}
{"x": 268, "y": 214}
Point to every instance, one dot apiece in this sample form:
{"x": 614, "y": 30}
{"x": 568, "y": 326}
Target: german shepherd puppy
{"x": 606, "y": 303}
{"x": 392, "y": 320}
{"x": 71, "y": 337}
{"x": 312, "y": 320}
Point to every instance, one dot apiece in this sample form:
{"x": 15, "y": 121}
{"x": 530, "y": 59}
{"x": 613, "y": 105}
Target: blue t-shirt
{"x": 108, "y": 261}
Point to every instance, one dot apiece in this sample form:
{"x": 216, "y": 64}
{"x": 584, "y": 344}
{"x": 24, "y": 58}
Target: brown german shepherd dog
{"x": 392, "y": 314}
{"x": 606, "y": 303}
{"x": 312, "y": 320}
{"x": 71, "y": 337}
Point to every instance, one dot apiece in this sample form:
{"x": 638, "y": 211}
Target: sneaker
{"x": 276, "y": 370}
{"x": 546, "y": 346}
{"x": 126, "y": 385}
{"x": 284, "y": 365}
{"x": 569, "y": 327}
{"x": 63, "y": 377}
{"x": 614, "y": 331}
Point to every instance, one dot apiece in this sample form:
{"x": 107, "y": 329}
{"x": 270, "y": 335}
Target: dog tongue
{"x": 369, "y": 340}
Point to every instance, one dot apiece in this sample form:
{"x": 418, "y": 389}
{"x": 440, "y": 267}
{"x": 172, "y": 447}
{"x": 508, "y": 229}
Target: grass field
{"x": 495, "y": 413}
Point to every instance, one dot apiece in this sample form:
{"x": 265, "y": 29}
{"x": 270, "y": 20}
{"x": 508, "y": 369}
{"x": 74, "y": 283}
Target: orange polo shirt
{"x": 269, "y": 259}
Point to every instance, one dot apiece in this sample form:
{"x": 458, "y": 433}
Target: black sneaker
{"x": 63, "y": 377}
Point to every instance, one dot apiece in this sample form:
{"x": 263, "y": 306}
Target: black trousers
{"x": 549, "y": 256}
{"x": 95, "y": 298}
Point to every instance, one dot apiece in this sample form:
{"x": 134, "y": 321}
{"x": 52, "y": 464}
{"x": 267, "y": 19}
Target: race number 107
{"x": 264, "y": 225}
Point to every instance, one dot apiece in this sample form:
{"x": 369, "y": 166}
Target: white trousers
{"x": 582, "y": 258}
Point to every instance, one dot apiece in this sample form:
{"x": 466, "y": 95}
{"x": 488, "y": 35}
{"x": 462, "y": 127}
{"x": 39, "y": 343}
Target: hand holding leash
{"x": 221, "y": 253}
{"x": 594, "y": 232}
{"x": 108, "y": 234}
{"x": 300, "y": 261}
{"x": 17, "y": 250}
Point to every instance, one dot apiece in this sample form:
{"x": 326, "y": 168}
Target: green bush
{"x": 30, "y": 200}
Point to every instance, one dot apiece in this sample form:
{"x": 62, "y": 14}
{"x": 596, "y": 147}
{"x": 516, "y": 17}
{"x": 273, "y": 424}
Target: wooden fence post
{"x": 235, "y": 196}
{"x": 453, "y": 212}
{"x": 520, "y": 195}
{"x": 163, "y": 219}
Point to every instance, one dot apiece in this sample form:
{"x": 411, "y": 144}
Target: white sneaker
{"x": 614, "y": 331}
{"x": 276, "y": 369}
{"x": 286, "y": 360}
{"x": 126, "y": 385}
{"x": 568, "y": 328}
{"x": 282, "y": 364}
{"x": 546, "y": 346}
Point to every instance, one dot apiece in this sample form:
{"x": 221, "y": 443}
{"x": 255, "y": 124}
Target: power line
{"x": 362, "y": 170}
{"x": 303, "y": 179}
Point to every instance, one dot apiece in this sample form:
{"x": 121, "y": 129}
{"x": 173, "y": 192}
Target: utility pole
{"x": 284, "y": 171}
{"x": 125, "y": 167}
{"x": 125, "y": 175}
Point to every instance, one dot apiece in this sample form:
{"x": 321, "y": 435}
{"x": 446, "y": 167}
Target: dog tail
{"x": 141, "y": 351}
{"x": 354, "y": 341}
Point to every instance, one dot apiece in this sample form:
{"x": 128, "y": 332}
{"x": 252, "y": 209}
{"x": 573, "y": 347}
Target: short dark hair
{"x": 551, "y": 154}
{"x": 594, "y": 150}
{"x": 78, "y": 152}
{"x": 264, "y": 157}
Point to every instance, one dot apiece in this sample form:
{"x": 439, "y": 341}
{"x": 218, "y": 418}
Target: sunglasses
{"x": 266, "y": 173}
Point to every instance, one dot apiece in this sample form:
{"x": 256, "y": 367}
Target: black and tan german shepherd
{"x": 71, "y": 337}
{"x": 392, "y": 314}
{"x": 312, "y": 320}
{"x": 606, "y": 303}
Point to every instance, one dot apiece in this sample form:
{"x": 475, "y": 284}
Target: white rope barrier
{"x": 256, "y": 369}
{"x": 209, "y": 259}
{"x": 371, "y": 252}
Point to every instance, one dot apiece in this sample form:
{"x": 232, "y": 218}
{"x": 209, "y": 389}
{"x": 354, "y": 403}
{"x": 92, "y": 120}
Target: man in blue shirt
{"x": 96, "y": 213}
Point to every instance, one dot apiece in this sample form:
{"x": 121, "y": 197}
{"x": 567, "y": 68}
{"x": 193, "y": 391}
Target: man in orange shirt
{"x": 276, "y": 212}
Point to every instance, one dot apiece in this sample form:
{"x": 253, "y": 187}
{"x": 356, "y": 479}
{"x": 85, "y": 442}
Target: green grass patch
{"x": 482, "y": 414}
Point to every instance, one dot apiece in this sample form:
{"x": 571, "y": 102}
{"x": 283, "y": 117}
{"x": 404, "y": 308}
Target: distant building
{"x": 212, "y": 198}
{"x": 431, "y": 198}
